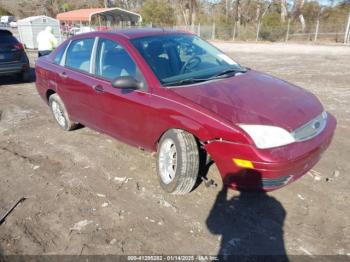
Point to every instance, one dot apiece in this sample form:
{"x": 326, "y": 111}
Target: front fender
{"x": 173, "y": 112}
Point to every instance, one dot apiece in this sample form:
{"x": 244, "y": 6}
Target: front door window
{"x": 113, "y": 61}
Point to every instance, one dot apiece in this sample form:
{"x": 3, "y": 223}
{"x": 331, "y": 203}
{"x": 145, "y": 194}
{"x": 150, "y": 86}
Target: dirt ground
{"x": 90, "y": 194}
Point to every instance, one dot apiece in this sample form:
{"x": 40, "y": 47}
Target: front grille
{"x": 275, "y": 182}
{"x": 311, "y": 128}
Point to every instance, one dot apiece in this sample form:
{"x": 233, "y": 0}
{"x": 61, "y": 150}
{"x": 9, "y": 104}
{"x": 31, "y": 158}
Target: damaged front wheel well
{"x": 49, "y": 93}
{"x": 200, "y": 143}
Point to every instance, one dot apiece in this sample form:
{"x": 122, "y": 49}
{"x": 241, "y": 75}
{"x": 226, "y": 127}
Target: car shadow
{"x": 250, "y": 226}
{"x": 16, "y": 79}
{"x": 205, "y": 162}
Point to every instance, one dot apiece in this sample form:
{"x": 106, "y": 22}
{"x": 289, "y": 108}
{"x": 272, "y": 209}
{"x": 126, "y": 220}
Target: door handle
{"x": 98, "y": 88}
{"x": 63, "y": 75}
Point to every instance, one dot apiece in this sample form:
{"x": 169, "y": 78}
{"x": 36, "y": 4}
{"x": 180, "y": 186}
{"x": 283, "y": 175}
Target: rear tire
{"x": 60, "y": 113}
{"x": 25, "y": 76}
{"x": 177, "y": 161}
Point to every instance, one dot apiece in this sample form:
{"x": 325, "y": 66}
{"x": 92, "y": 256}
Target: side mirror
{"x": 126, "y": 82}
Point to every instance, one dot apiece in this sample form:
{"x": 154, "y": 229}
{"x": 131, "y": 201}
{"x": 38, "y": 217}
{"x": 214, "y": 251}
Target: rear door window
{"x": 79, "y": 54}
{"x": 59, "y": 55}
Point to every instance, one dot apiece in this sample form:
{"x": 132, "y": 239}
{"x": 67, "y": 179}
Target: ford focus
{"x": 175, "y": 94}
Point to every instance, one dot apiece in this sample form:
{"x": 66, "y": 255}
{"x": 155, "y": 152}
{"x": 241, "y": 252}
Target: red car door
{"x": 73, "y": 81}
{"x": 120, "y": 113}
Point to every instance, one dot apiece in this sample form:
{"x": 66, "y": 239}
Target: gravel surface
{"x": 90, "y": 194}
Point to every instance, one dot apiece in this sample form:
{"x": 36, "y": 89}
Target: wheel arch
{"x": 200, "y": 133}
{"x": 174, "y": 128}
{"x": 49, "y": 92}
{"x": 203, "y": 152}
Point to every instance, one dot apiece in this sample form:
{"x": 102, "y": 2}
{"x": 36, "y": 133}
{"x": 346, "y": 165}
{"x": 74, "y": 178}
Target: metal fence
{"x": 318, "y": 31}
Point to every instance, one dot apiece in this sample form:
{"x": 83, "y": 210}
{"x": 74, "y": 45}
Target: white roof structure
{"x": 112, "y": 14}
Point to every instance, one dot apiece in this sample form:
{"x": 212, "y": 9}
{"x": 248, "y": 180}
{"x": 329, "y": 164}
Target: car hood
{"x": 255, "y": 98}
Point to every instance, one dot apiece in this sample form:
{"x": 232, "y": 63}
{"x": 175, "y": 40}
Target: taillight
{"x": 19, "y": 46}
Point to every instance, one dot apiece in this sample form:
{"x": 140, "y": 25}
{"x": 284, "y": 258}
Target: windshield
{"x": 183, "y": 59}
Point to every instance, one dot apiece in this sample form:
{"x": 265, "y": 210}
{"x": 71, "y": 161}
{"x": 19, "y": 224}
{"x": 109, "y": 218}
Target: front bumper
{"x": 9, "y": 68}
{"x": 272, "y": 168}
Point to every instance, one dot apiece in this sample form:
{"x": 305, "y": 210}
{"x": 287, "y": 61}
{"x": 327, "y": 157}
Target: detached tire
{"x": 60, "y": 114}
{"x": 177, "y": 161}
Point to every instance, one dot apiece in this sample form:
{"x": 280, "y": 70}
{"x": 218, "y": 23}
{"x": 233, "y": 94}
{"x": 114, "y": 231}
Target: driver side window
{"x": 113, "y": 61}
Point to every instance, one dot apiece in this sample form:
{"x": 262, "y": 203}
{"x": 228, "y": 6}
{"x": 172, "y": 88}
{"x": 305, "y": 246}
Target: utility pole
{"x": 234, "y": 31}
{"x": 226, "y": 11}
{"x": 257, "y": 32}
{"x": 347, "y": 31}
{"x": 317, "y": 28}
{"x": 213, "y": 32}
{"x": 318, "y": 23}
{"x": 288, "y": 28}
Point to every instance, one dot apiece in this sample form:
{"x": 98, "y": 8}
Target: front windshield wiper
{"x": 228, "y": 72}
{"x": 185, "y": 81}
{"x": 222, "y": 74}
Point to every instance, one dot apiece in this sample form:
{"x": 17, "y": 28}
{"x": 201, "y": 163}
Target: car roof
{"x": 132, "y": 33}
{"x": 4, "y": 32}
{"x": 144, "y": 32}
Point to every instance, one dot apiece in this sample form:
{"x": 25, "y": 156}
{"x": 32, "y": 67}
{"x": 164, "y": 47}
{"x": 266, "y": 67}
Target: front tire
{"x": 177, "y": 161}
{"x": 60, "y": 113}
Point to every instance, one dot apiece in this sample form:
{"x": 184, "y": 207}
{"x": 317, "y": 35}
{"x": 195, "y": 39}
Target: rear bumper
{"x": 272, "y": 168}
{"x": 9, "y": 68}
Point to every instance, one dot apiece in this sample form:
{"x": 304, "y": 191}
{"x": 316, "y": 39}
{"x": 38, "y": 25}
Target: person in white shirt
{"x": 47, "y": 42}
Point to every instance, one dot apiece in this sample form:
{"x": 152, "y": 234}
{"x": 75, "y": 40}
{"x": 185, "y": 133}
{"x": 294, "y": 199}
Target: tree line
{"x": 230, "y": 14}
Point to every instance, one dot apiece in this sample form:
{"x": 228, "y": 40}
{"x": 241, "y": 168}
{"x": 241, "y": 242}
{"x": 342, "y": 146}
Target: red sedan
{"x": 173, "y": 93}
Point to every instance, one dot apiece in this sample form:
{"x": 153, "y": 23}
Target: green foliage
{"x": 66, "y": 7}
{"x": 271, "y": 20}
{"x": 3, "y": 12}
{"x": 158, "y": 12}
{"x": 272, "y": 29}
{"x": 311, "y": 11}
{"x": 224, "y": 27}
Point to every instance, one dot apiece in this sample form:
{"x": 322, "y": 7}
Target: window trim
{"x": 63, "y": 60}
{"x": 92, "y": 55}
{"x": 92, "y": 72}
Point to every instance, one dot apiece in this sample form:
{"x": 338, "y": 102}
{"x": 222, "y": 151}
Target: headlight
{"x": 268, "y": 136}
